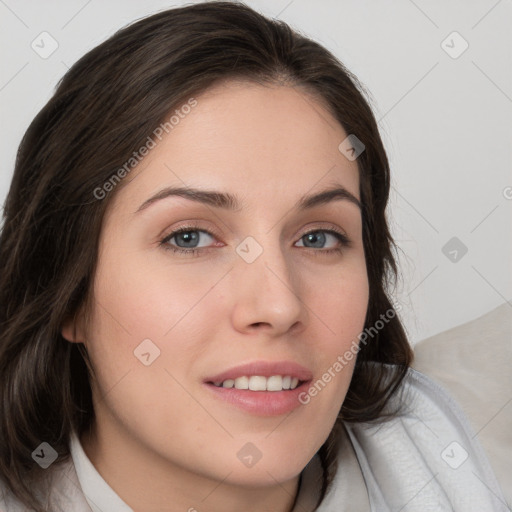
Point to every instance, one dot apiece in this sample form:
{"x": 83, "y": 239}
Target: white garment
{"x": 426, "y": 459}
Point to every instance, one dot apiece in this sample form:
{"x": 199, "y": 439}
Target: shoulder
{"x": 424, "y": 457}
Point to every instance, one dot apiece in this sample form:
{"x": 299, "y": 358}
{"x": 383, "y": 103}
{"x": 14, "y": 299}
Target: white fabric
{"x": 427, "y": 458}
{"x": 99, "y": 495}
{"x": 390, "y": 466}
{"x": 473, "y": 361}
{"x": 402, "y": 464}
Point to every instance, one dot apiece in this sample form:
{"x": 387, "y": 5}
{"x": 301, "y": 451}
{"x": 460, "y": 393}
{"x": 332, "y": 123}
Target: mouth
{"x": 261, "y": 388}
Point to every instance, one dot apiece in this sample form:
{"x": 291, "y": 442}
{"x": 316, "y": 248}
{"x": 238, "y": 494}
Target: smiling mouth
{"x": 271, "y": 394}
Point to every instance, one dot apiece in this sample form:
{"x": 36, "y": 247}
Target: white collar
{"x": 99, "y": 495}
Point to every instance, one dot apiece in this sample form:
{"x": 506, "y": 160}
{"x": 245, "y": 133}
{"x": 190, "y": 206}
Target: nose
{"x": 268, "y": 294}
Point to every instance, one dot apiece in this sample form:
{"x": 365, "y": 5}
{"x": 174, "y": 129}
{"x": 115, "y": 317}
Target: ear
{"x": 72, "y": 329}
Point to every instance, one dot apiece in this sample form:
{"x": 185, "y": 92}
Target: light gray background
{"x": 445, "y": 121}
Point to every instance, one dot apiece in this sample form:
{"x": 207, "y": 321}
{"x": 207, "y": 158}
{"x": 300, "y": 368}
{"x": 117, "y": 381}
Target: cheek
{"x": 148, "y": 300}
{"x": 340, "y": 308}
{"x": 341, "y": 317}
{"x": 136, "y": 302}
{"x": 144, "y": 315}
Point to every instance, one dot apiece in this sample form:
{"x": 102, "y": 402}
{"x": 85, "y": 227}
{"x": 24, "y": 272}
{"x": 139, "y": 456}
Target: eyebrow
{"x": 230, "y": 202}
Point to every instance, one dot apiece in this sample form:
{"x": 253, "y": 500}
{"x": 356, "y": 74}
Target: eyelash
{"x": 345, "y": 241}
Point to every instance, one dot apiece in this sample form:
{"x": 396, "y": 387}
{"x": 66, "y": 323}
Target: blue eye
{"x": 187, "y": 237}
{"x": 318, "y": 237}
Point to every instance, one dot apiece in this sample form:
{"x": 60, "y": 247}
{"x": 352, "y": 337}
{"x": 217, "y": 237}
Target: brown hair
{"x": 103, "y": 111}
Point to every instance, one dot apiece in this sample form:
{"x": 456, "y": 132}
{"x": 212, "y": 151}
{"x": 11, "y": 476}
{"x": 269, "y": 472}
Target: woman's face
{"x": 257, "y": 291}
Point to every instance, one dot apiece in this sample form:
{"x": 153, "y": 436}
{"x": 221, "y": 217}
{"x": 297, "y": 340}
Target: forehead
{"x": 256, "y": 140}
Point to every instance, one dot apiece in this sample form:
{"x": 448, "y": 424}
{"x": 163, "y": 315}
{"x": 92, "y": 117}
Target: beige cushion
{"x": 473, "y": 362}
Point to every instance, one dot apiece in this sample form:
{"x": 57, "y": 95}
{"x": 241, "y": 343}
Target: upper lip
{"x": 264, "y": 369}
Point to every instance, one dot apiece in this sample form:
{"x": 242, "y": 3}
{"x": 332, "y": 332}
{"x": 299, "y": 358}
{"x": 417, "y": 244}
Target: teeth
{"x": 259, "y": 383}
{"x": 242, "y": 383}
{"x": 275, "y": 383}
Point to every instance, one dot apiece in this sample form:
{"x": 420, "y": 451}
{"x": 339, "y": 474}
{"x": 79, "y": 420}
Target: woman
{"x": 194, "y": 298}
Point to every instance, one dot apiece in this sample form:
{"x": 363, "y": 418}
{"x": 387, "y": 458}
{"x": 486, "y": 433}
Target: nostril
{"x": 257, "y": 324}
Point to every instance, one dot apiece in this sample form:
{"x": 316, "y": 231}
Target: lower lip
{"x": 262, "y": 403}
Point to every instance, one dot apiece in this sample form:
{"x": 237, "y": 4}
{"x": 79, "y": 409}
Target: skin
{"x": 160, "y": 440}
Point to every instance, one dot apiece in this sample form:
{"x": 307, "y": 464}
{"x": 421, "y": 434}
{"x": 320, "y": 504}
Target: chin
{"x": 276, "y": 467}
{"x": 259, "y": 477}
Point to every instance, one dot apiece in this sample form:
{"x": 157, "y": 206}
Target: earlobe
{"x": 71, "y": 330}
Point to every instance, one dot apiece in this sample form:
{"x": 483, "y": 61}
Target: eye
{"x": 187, "y": 238}
{"x": 318, "y": 238}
